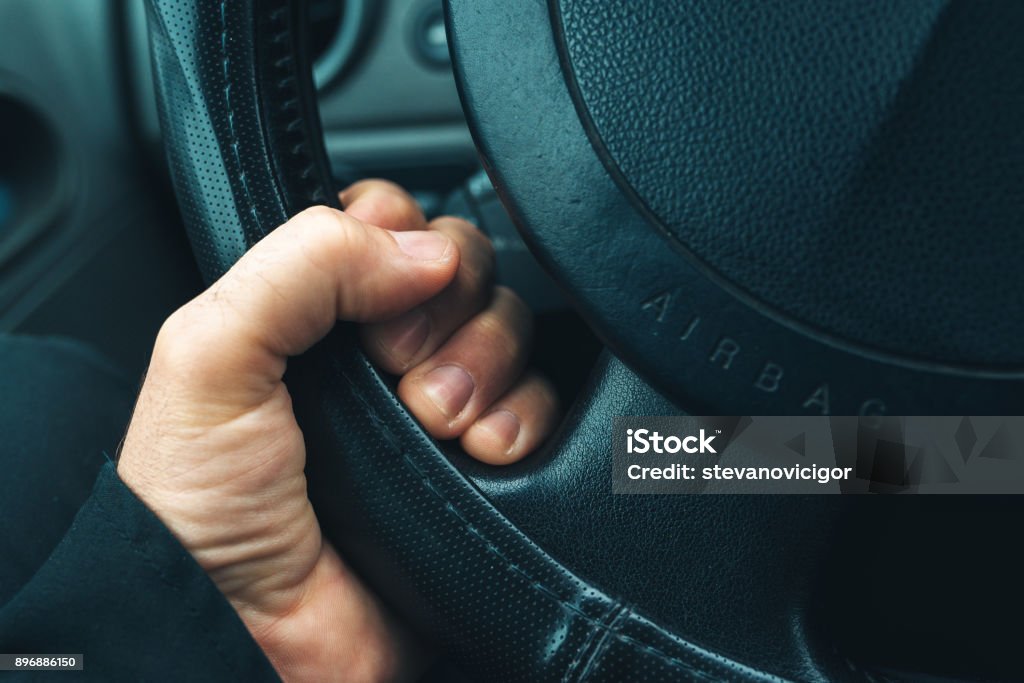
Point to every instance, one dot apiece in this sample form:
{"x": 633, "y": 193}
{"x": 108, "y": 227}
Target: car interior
{"x": 86, "y": 203}
{"x": 844, "y": 177}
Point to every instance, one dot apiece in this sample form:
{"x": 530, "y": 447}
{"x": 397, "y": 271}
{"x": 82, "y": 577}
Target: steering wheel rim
{"x": 439, "y": 537}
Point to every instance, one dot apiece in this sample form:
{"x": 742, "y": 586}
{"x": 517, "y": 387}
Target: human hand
{"x": 213, "y": 447}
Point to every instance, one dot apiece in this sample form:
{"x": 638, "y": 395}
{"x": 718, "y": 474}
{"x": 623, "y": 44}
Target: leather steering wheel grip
{"x": 483, "y": 563}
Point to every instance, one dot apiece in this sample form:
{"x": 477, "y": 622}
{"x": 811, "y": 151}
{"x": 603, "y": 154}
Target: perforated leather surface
{"x": 235, "y": 178}
{"x": 857, "y": 166}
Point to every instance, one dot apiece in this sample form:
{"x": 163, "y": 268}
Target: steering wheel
{"x": 761, "y": 208}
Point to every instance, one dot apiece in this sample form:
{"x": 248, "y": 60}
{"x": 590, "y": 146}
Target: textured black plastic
{"x": 240, "y": 127}
{"x": 856, "y": 166}
{"x": 699, "y": 337}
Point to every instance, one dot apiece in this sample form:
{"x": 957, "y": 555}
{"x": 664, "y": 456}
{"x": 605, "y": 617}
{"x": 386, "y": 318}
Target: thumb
{"x": 287, "y": 292}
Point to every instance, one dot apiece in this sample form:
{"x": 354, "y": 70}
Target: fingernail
{"x": 504, "y": 425}
{"x": 403, "y": 337}
{"x": 422, "y": 245}
{"x": 449, "y": 387}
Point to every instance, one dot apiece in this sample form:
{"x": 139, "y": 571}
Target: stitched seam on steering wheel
{"x": 225, "y": 63}
{"x": 394, "y": 441}
{"x": 551, "y": 594}
{"x": 289, "y": 83}
{"x": 286, "y": 80}
{"x": 601, "y": 647}
{"x": 610, "y": 616}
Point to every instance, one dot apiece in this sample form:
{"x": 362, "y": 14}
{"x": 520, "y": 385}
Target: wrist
{"x": 355, "y": 640}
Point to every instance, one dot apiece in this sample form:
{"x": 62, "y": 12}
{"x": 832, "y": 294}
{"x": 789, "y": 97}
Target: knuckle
{"x": 404, "y": 212}
{"x": 376, "y": 184}
{"x": 387, "y": 205}
{"x": 319, "y": 228}
{"x": 317, "y": 214}
{"x": 178, "y": 337}
{"x": 477, "y": 267}
{"x": 468, "y": 232}
{"x": 477, "y": 279}
{"x": 513, "y": 306}
{"x": 483, "y": 244}
{"x": 387, "y": 186}
{"x": 178, "y": 324}
{"x": 492, "y": 328}
{"x": 497, "y": 332}
{"x": 331, "y": 236}
{"x": 191, "y": 340}
{"x": 457, "y": 223}
{"x": 373, "y": 206}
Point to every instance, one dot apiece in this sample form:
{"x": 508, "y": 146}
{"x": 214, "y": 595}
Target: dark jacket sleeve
{"x": 120, "y": 590}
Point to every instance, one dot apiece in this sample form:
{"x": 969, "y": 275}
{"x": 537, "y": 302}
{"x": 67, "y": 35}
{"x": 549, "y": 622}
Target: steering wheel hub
{"x": 840, "y": 193}
{"x": 772, "y": 209}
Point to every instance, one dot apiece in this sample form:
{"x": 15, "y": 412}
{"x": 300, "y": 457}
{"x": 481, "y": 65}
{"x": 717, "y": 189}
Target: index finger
{"x": 384, "y": 204}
